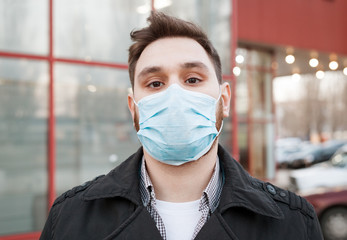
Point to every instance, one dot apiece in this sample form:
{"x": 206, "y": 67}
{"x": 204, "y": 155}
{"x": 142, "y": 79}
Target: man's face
{"x": 181, "y": 61}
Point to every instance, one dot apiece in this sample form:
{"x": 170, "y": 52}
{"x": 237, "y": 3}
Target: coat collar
{"x": 242, "y": 190}
{"x": 122, "y": 181}
{"x": 239, "y": 190}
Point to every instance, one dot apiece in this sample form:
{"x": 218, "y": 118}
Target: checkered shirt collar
{"x": 211, "y": 194}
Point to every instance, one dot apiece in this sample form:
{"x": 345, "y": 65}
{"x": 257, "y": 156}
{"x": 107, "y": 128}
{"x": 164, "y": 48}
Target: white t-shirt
{"x": 180, "y": 219}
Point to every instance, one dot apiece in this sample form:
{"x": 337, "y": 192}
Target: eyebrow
{"x": 149, "y": 70}
{"x": 197, "y": 64}
{"x": 187, "y": 65}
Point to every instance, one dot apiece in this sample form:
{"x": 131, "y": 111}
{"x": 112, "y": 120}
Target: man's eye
{"x": 192, "y": 80}
{"x": 155, "y": 84}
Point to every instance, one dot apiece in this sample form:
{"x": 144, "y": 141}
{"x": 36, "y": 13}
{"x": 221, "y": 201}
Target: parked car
{"x": 314, "y": 153}
{"x": 282, "y": 156}
{"x": 329, "y": 148}
{"x": 305, "y": 157}
{"x": 288, "y": 142}
{"x": 328, "y": 174}
{"x": 331, "y": 208}
{"x": 285, "y": 147}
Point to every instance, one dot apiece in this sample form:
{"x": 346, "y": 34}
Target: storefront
{"x": 303, "y": 42}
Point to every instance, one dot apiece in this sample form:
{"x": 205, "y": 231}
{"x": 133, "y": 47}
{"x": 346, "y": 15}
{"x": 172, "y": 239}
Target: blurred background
{"x": 64, "y": 82}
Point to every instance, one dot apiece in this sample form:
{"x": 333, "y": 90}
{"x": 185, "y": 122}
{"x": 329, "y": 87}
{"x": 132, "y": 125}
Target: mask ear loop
{"x": 135, "y": 102}
{"x": 220, "y": 129}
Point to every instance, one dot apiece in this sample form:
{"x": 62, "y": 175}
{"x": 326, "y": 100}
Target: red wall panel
{"x": 310, "y": 24}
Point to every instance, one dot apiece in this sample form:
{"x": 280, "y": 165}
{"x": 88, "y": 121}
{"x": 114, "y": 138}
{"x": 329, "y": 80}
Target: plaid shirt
{"x": 208, "y": 201}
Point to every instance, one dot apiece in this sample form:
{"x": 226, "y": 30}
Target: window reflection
{"x": 23, "y": 130}
{"x": 96, "y": 30}
{"x": 255, "y": 111}
{"x": 94, "y": 126}
{"x": 261, "y": 94}
{"x": 24, "y": 26}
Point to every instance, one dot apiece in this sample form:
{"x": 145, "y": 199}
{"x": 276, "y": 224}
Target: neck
{"x": 182, "y": 183}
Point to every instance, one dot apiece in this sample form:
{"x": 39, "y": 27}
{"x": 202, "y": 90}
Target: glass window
{"x": 242, "y": 94}
{"x": 262, "y": 150}
{"x": 212, "y": 16}
{"x": 94, "y": 130}
{"x": 258, "y": 150}
{"x": 23, "y": 137}
{"x": 254, "y": 107}
{"x": 260, "y": 58}
{"x": 96, "y": 30}
{"x": 243, "y": 144}
{"x": 261, "y": 94}
{"x": 24, "y": 26}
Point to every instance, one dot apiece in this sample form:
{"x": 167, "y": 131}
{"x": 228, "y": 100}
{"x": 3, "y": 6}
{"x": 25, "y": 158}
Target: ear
{"x": 131, "y": 104}
{"x": 225, "y": 96}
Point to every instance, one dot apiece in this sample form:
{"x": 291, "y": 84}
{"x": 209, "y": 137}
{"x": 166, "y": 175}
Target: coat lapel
{"x": 241, "y": 190}
{"x": 216, "y": 228}
{"x": 139, "y": 225}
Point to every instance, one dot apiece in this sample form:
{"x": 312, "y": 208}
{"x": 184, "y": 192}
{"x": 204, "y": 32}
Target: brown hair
{"x": 163, "y": 26}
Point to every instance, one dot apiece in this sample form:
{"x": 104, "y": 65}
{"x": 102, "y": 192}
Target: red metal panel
{"x": 310, "y": 24}
{"x": 63, "y": 60}
{"x": 22, "y": 55}
{"x": 233, "y": 46}
{"x": 228, "y": 77}
{"x": 250, "y": 121}
{"x": 152, "y": 5}
{"x": 24, "y": 236}
{"x": 51, "y": 116}
{"x": 92, "y": 63}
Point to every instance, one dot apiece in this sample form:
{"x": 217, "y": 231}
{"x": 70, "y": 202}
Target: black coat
{"x": 110, "y": 207}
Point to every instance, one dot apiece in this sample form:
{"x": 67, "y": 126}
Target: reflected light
{"x": 345, "y": 71}
{"x": 313, "y": 62}
{"x": 290, "y": 59}
{"x": 320, "y": 74}
{"x": 237, "y": 71}
{"x": 333, "y": 65}
{"x": 88, "y": 58}
{"x": 143, "y": 9}
{"x": 113, "y": 158}
{"x": 239, "y": 59}
{"x": 91, "y": 88}
{"x": 158, "y": 4}
{"x": 296, "y": 76}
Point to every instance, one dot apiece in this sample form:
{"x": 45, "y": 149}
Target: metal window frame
{"x": 250, "y": 120}
{"x": 51, "y": 142}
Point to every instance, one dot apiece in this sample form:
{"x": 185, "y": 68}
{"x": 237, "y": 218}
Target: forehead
{"x": 171, "y": 52}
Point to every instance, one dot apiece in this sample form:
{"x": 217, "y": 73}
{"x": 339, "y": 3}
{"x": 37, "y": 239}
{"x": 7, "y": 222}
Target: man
{"x": 181, "y": 184}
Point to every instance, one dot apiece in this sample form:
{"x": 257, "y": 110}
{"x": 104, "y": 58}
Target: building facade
{"x": 64, "y": 83}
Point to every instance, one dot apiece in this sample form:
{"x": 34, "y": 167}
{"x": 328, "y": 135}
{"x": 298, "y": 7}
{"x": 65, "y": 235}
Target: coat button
{"x": 271, "y": 189}
{"x": 283, "y": 194}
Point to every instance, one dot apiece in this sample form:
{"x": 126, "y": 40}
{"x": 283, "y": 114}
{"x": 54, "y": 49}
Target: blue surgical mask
{"x": 177, "y": 125}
